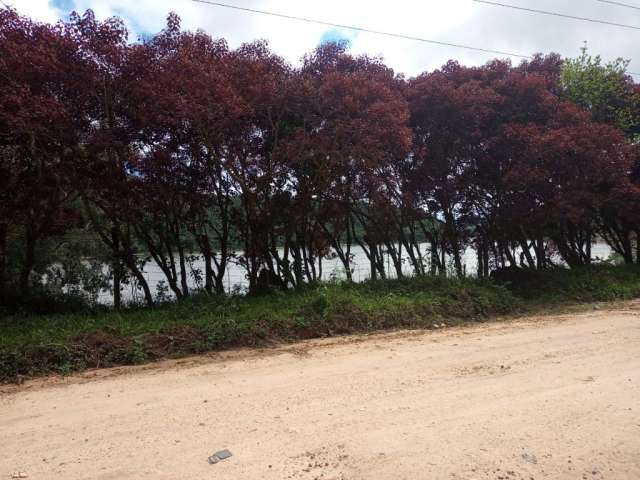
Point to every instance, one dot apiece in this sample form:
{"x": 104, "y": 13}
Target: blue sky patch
{"x": 66, "y": 6}
{"x": 136, "y": 30}
{"x": 338, "y": 35}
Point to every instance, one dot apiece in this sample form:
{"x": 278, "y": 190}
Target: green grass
{"x": 33, "y": 345}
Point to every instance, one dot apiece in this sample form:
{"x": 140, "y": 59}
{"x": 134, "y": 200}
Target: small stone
{"x": 19, "y": 475}
{"x": 218, "y": 456}
{"x": 223, "y": 454}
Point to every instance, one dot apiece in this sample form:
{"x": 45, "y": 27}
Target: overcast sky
{"x": 455, "y": 21}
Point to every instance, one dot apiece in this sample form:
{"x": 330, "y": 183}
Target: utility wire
{"x": 556, "y": 14}
{"x": 360, "y": 29}
{"x": 620, "y": 4}
{"x": 367, "y": 30}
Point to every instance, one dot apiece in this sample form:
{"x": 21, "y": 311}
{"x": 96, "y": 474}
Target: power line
{"x": 556, "y": 14}
{"x": 367, "y": 30}
{"x": 619, "y": 4}
{"x": 360, "y": 29}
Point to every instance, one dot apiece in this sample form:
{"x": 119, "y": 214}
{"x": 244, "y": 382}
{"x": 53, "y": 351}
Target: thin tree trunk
{"x": 480, "y": 263}
{"x": 524, "y": 245}
{"x": 27, "y": 266}
{"x": 485, "y": 257}
{"x": 131, "y": 264}
{"x": 183, "y": 268}
{"x": 3, "y": 261}
{"x": 117, "y": 271}
{"x": 541, "y": 261}
{"x": 208, "y": 271}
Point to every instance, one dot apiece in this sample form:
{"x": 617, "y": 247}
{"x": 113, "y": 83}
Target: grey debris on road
{"x": 218, "y": 456}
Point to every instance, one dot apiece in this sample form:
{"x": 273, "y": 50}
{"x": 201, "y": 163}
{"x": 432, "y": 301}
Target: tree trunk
{"x": 183, "y": 269}
{"x": 117, "y": 271}
{"x": 524, "y": 245}
{"x": 485, "y": 257}
{"x": 541, "y": 261}
{"x": 480, "y": 259}
{"x": 130, "y": 261}
{"x": 3, "y": 262}
{"x": 208, "y": 271}
{"x": 29, "y": 259}
{"x": 454, "y": 242}
{"x": 434, "y": 268}
{"x": 506, "y": 248}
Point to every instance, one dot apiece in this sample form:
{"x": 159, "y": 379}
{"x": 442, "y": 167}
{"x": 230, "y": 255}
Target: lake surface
{"x": 332, "y": 268}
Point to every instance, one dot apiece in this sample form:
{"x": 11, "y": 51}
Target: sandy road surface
{"x": 555, "y": 397}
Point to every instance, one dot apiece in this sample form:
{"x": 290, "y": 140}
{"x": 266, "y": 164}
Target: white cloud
{"x": 40, "y": 10}
{"x": 455, "y": 21}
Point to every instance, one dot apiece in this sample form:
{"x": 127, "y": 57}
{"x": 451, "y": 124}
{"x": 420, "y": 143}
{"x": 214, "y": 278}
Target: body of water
{"x": 332, "y": 268}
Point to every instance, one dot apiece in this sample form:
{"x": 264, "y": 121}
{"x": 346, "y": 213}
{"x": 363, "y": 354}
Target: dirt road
{"x": 554, "y": 397}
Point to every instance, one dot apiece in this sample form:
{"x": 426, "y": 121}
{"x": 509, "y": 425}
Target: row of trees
{"x": 181, "y": 145}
